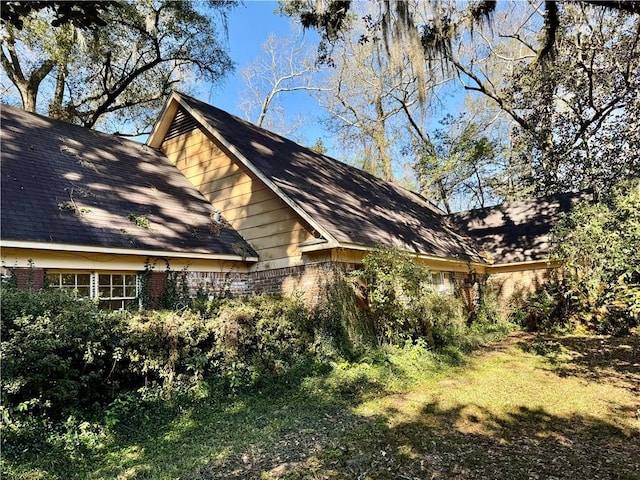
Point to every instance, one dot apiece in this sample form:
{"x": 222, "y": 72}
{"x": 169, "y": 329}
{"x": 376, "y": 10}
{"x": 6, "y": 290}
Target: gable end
{"x": 182, "y": 123}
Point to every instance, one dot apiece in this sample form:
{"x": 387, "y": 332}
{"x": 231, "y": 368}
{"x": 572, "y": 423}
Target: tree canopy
{"x": 562, "y": 75}
{"x": 114, "y": 75}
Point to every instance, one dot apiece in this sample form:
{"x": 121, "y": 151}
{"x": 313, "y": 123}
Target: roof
{"x": 517, "y": 231}
{"x": 66, "y": 184}
{"x": 354, "y": 207}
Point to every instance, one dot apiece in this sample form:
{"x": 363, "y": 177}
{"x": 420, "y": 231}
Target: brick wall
{"x": 28, "y": 277}
{"x": 157, "y": 286}
{"x": 512, "y": 286}
{"x": 305, "y": 281}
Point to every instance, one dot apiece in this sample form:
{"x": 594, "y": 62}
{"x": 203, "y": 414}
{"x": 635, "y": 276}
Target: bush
{"x": 540, "y": 311}
{"x": 167, "y": 350}
{"x": 599, "y": 245}
{"x": 241, "y": 343}
{"x": 59, "y": 354}
{"x": 261, "y": 338}
{"x": 402, "y": 303}
{"x": 62, "y": 356}
{"x": 342, "y": 328}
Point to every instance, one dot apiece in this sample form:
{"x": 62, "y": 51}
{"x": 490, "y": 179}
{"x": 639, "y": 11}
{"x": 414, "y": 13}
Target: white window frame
{"x": 442, "y": 283}
{"x": 95, "y": 286}
{"x": 70, "y": 288}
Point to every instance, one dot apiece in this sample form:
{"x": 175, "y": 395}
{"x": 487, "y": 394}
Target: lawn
{"x": 525, "y": 407}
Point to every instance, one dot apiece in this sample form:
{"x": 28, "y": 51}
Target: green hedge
{"x": 62, "y": 356}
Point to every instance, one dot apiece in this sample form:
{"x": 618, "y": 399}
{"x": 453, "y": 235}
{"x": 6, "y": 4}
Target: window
{"x": 116, "y": 290}
{"x": 113, "y": 290}
{"x": 442, "y": 282}
{"x": 77, "y": 283}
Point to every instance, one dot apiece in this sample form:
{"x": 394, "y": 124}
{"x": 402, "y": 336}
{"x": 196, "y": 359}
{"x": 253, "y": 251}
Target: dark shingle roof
{"x": 352, "y": 205}
{"x": 517, "y": 231}
{"x": 66, "y": 184}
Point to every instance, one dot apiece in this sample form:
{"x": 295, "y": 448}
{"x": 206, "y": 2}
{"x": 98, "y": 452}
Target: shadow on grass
{"x": 465, "y": 442}
{"x": 614, "y": 359}
{"x": 301, "y": 430}
{"x": 468, "y": 442}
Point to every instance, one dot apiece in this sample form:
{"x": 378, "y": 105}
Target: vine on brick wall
{"x": 175, "y": 295}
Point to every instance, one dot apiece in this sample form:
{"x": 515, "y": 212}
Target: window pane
{"x": 130, "y": 304}
{"x": 83, "y": 291}
{"x": 52, "y": 279}
{"x": 111, "y": 304}
{"x": 69, "y": 279}
{"x": 130, "y": 280}
{"x": 104, "y": 280}
{"x": 84, "y": 279}
{"x": 116, "y": 279}
{"x": 104, "y": 292}
{"x": 130, "y": 291}
{"x": 117, "y": 292}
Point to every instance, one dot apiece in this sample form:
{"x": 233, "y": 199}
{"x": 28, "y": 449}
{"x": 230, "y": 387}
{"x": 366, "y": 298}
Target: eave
{"x": 63, "y": 247}
{"x": 367, "y": 248}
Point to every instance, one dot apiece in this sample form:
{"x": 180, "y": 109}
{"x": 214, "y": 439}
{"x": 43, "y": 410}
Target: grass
{"x": 524, "y": 407}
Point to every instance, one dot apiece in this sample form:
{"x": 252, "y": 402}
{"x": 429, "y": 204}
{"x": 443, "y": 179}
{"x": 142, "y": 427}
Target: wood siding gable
{"x": 272, "y": 227}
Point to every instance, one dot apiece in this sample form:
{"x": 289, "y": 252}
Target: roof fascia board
{"x": 544, "y": 263}
{"x": 163, "y": 123}
{"x": 284, "y": 197}
{"x": 354, "y": 246}
{"x": 63, "y": 247}
{"x": 317, "y": 247}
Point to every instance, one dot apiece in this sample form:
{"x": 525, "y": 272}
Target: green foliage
{"x": 139, "y": 220}
{"x": 260, "y": 338}
{"x": 599, "y": 245}
{"x": 62, "y": 356}
{"x": 77, "y": 380}
{"x": 59, "y": 354}
{"x": 459, "y": 162}
{"x": 175, "y": 295}
{"x": 402, "y": 303}
{"x": 574, "y": 137}
{"x": 542, "y": 310}
{"x": 599, "y": 283}
{"x": 96, "y": 81}
{"x": 341, "y": 325}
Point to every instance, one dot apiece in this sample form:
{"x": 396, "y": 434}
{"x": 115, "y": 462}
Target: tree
{"x": 567, "y": 75}
{"x": 119, "y": 73}
{"x": 599, "y": 245}
{"x": 362, "y": 104}
{"x": 286, "y": 66}
{"x": 396, "y": 21}
{"x": 578, "y": 117}
{"x": 456, "y": 167}
{"x": 80, "y": 14}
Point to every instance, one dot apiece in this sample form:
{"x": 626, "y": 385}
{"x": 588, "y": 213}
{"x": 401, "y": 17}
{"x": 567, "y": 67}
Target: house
{"x": 233, "y": 206}
{"x": 515, "y": 239}
{"x": 90, "y": 211}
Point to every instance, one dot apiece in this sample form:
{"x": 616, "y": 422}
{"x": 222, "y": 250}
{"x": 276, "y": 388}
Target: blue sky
{"x": 249, "y": 27}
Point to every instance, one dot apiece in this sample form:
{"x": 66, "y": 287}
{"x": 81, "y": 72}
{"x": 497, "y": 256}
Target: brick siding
{"x": 29, "y": 277}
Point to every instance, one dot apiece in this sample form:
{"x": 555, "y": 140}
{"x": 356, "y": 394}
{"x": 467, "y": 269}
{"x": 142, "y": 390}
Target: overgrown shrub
{"x": 59, "y": 354}
{"x": 541, "y": 310}
{"x": 341, "y": 326}
{"x": 599, "y": 246}
{"x": 168, "y": 350}
{"x": 62, "y": 356}
{"x": 241, "y": 343}
{"x": 402, "y": 303}
{"x": 261, "y": 337}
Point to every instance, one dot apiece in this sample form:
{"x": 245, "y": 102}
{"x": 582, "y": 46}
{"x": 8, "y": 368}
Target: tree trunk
{"x": 55, "y": 108}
